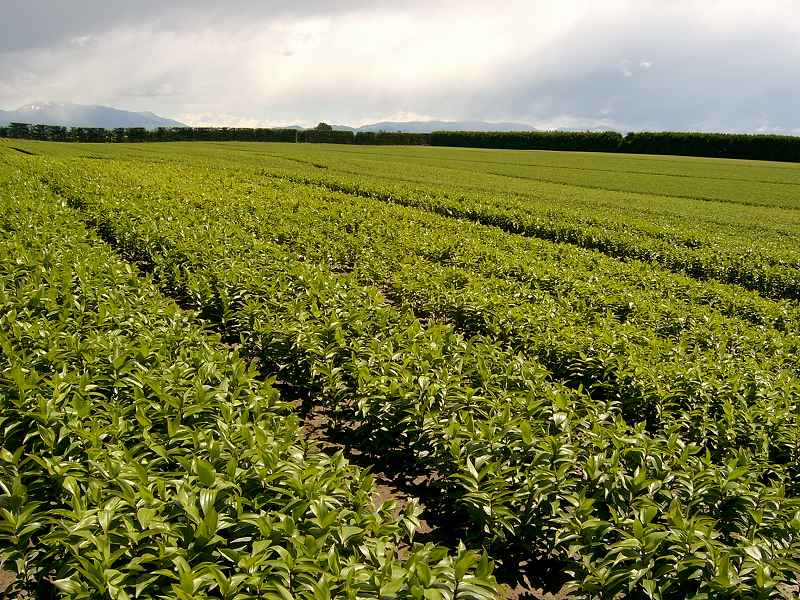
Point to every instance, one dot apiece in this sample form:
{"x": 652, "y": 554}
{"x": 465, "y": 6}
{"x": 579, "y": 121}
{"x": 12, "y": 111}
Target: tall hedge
{"x": 720, "y": 145}
{"x": 327, "y": 136}
{"x": 605, "y": 141}
{"x": 397, "y": 138}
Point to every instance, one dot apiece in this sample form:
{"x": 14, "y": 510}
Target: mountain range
{"x": 429, "y": 126}
{"x": 80, "y": 115}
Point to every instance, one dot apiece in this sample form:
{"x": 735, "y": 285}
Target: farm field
{"x": 230, "y": 369}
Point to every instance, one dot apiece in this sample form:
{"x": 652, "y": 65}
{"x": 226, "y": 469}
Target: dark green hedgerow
{"x": 606, "y": 141}
{"x": 715, "y": 145}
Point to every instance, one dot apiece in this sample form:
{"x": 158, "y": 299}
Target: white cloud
{"x": 227, "y": 120}
{"x": 81, "y": 41}
{"x": 646, "y": 64}
{"x": 573, "y": 122}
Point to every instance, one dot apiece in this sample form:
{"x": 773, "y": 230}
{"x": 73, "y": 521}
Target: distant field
{"x": 584, "y": 364}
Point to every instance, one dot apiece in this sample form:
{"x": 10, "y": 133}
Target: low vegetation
{"x": 596, "y": 369}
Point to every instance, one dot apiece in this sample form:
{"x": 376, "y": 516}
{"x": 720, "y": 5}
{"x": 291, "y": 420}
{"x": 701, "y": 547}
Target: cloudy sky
{"x": 725, "y": 65}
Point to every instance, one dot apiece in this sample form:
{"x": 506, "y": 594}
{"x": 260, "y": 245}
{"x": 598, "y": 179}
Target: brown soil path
{"x": 6, "y": 579}
{"x": 401, "y": 486}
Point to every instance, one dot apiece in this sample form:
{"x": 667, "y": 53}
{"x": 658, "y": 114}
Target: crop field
{"x": 310, "y": 371}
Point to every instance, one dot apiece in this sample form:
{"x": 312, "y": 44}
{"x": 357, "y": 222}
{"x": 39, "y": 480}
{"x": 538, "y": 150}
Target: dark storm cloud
{"x": 721, "y": 65}
{"x": 40, "y": 23}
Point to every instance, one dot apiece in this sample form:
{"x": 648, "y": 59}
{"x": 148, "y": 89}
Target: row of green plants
{"x": 715, "y": 371}
{"x": 677, "y": 183}
{"x": 744, "y": 234}
{"x": 704, "y": 255}
{"x": 531, "y": 462}
{"x": 663, "y": 354}
{"x": 139, "y": 457}
{"x": 375, "y": 241}
{"x": 735, "y": 230}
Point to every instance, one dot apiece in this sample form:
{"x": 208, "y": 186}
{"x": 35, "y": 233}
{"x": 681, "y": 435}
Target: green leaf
{"x": 68, "y": 586}
{"x": 205, "y": 472}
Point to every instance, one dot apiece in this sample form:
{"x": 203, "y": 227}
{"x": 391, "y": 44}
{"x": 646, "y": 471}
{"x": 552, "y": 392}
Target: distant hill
{"x": 429, "y": 126}
{"x": 81, "y": 115}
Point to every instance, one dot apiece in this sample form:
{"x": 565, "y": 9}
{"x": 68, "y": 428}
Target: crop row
{"x": 682, "y": 187}
{"x": 766, "y": 265}
{"x": 529, "y": 460}
{"x": 676, "y": 351}
{"x": 609, "y": 283}
{"x": 140, "y": 458}
{"x": 745, "y": 213}
{"x": 725, "y": 384}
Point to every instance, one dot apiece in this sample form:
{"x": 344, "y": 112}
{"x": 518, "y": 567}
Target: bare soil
{"x": 522, "y": 592}
{"x": 6, "y": 579}
{"x": 400, "y": 481}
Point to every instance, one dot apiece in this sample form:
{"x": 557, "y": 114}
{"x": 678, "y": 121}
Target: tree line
{"x": 719, "y": 145}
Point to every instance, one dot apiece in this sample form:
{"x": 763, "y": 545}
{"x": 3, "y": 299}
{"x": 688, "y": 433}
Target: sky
{"x": 629, "y": 65}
